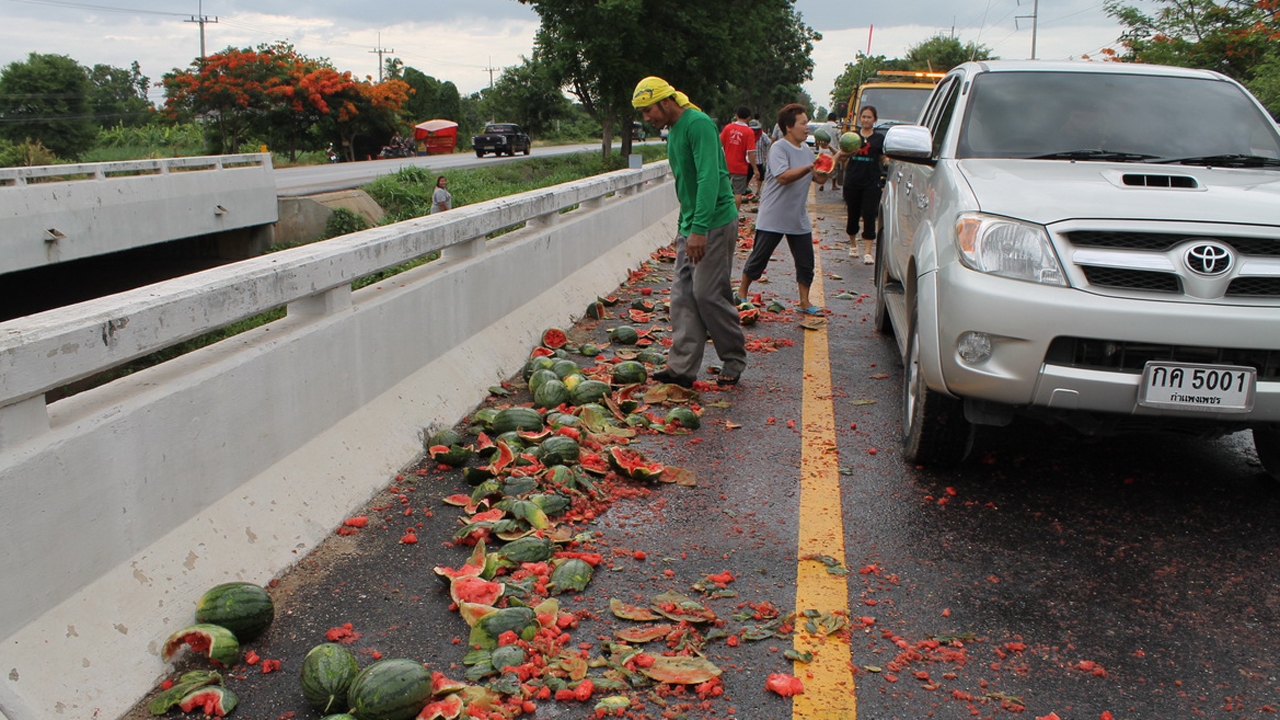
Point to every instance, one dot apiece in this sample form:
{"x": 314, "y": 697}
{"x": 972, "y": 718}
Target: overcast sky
{"x": 466, "y": 41}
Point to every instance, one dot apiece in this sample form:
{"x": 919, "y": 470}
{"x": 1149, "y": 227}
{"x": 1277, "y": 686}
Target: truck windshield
{"x": 1112, "y": 116}
{"x": 900, "y": 104}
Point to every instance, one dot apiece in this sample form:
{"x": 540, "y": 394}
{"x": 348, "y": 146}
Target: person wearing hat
{"x": 761, "y": 154}
{"x": 706, "y": 236}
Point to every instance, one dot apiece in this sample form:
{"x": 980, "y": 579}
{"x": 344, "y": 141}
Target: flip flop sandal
{"x": 814, "y": 310}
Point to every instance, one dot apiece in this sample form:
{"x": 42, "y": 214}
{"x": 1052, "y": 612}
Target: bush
{"x": 26, "y": 154}
{"x": 344, "y": 222}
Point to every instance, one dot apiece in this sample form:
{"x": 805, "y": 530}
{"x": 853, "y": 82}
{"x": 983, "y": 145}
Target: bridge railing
{"x": 122, "y": 503}
{"x": 51, "y": 214}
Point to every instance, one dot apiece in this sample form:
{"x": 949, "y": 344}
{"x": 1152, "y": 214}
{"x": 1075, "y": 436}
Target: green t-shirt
{"x": 701, "y": 176}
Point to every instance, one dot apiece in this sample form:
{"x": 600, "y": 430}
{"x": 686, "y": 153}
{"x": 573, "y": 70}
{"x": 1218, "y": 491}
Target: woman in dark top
{"x": 863, "y": 178}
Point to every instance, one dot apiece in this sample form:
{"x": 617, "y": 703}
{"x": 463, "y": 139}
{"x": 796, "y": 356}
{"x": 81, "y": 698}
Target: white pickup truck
{"x": 1091, "y": 243}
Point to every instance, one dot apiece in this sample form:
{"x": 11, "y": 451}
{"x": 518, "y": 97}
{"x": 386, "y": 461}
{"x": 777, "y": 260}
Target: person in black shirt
{"x": 863, "y": 179}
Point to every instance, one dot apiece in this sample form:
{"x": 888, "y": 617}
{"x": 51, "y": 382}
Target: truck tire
{"x": 880, "y": 316}
{"x": 527, "y": 149}
{"x": 1266, "y": 440}
{"x": 934, "y": 429}
{"x": 479, "y": 153}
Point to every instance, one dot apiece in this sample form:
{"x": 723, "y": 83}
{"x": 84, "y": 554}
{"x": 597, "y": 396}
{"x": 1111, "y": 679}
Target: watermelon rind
{"x": 213, "y": 700}
{"x": 214, "y": 641}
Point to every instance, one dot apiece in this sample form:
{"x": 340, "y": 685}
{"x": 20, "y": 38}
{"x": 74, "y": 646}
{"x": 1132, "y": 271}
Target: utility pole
{"x": 380, "y": 51}
{"x": 1035, "y": 20}
{"x": 202, "y": 19}
{"x": 491, "y": 69}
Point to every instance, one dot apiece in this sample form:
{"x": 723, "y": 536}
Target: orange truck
{"x": 897, "y": 95}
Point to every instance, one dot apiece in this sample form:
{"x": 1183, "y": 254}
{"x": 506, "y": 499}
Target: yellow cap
{"x": 652, "y": 90}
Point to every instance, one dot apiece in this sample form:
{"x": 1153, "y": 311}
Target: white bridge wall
{"x": 124, "y": 503}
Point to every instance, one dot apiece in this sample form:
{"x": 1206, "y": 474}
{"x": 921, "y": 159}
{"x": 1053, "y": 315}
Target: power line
{"x": 202, "y": 19}
{"x": 380, "y": 51}
{"x": 105, "y": 8}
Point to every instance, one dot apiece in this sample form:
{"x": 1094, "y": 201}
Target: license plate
{"x": 1186, "y": 386}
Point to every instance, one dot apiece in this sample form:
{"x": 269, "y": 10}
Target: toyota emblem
{"x": 1208, "y": 258}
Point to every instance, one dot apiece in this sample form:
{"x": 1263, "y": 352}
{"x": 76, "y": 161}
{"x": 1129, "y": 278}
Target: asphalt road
{"x": 311, "y": 179}
{"x": 1127, "y": 578}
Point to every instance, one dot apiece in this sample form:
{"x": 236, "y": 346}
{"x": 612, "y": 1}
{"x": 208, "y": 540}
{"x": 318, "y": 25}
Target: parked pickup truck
{"x": 1066, "y": 241}
{"x": 501, "y": 139}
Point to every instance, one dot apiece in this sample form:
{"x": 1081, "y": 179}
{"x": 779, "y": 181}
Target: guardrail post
{"x": 543, "y": 221}
{"x": 594, "y": 203}
{"x": 23, "y": 420}
{"x": 325, "y": 303}
{"x": 463, "y": 250}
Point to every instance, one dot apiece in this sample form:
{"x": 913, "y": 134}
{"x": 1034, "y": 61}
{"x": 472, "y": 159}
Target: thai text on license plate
{"x": 1186, "y": 386}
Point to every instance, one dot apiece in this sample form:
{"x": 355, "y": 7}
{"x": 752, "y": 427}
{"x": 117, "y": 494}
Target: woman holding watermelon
{"x": 783, "y": 207}
{"x": 863, "y": 178}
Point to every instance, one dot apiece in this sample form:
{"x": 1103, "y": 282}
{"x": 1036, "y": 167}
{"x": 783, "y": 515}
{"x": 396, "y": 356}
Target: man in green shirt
{"x": 707, "y": 233}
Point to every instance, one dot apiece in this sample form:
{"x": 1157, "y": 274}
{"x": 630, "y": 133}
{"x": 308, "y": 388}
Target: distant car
{"x": 501, "y": 139}
{"x": 637, "y": 132}
{"x": 809, "y": 139}
{"x": 663, "y": 134}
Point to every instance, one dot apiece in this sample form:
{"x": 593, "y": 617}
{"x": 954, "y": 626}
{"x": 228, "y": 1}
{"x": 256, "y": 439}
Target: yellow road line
{"x": 828, "y": 680}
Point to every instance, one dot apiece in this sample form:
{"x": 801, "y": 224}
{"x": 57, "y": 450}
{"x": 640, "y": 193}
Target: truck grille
{"x": 1121, "y": 356}
{"x": 1135, "y": 264}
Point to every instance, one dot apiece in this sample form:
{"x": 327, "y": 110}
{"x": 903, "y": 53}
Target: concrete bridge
{"x": 58, "y": 213}
{"x": 124, "y": 502}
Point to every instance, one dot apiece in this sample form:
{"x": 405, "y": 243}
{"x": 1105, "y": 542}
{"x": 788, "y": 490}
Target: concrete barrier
{"x": 124, "y": 503}
{"x": 57, "y": 213}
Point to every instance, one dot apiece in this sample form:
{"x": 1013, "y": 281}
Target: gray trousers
{"x": 702, "y": 307}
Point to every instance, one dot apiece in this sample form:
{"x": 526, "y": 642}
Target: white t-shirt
{"x": 441, "y": 197}
{"x": 784, "y": 208}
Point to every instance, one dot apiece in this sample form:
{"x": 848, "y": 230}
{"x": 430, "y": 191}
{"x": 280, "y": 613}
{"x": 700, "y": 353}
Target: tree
{"x": 527, "y": 94}
{"x": 1236, "y": 37}
{"x": 715, "y": 52}
{"x": 860, "y": 71}
{"x": 119, "y": 96}
{"x": 46, "y": 99}
{"x": 940, "y": 53}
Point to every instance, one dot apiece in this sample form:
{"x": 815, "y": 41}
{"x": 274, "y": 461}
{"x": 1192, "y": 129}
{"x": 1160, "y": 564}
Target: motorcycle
{"x": 332, "y": 153}
{"x": 399, "y": 148}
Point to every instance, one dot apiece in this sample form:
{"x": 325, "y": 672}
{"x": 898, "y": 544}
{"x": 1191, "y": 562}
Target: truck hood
{"x": 1048, "y": 191}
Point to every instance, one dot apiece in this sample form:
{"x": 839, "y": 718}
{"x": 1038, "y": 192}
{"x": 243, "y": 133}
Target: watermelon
{"x": 475, "y": 590}
{"x": 243, "y": 608}
{"x": 213, "y": 641}
{"x": 632, "y": 464}
{"x": 540, "y": 376}
{"x": 572, "y": 574}
{"x": 554, "y": 338}
{"x": 651, "y": 357}
{"x": 394, "y": 689}
{"x": 447, "y": 708}
{"x": 327, "y": 672}
{"x": 629, "y": 372}
{"x": 507, "y": 656}
{"x": 559, "y": 450}
{"x": 821, "y": 135}
{"x": 684, "y": 417}
{"x": 516, "y": 418}
{"x": 447, "y": 437}
{"x": 551, "y": 394}
{"x": 587, "y": 391}
{"x": 823, "y": 164}
{"x": 850, "y": 142}
{"x": 212, "y": 700}
{"x": 748, "y": 314}
{"x": 565, "y": 368}
{"x": 537, "y": 363}
{"x": 596, "y": 311}
{"x": 588, "y": 350}
{"x": 530, "y": 548}
{"x": 624, "y": 335}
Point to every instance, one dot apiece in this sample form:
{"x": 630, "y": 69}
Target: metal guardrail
{"x": 19, "y": 176}
{"x": 41, "y": 352}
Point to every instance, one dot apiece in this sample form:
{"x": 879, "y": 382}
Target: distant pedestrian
{"x": 738, "y": 139}
{"x": 762, "y": 154}
{"x": 441, "y": 200}
{"x": 784, "y": 208}
{"x": 706, "y": 236}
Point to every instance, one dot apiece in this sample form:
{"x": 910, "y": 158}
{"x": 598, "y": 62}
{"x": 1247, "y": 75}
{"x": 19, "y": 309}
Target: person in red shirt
{"x": 737, "y": 138}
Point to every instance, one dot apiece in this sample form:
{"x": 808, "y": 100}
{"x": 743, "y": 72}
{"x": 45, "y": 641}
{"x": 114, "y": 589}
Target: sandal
{"x": 666, "y": 376}
{"x": 813, "y": 310}
{"x": 723, "y": 380}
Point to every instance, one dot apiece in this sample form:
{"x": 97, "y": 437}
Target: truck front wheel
{"x": 934, "y": 429}
{"x": 479, "y": 153}
{"x": 1266, "y": 440}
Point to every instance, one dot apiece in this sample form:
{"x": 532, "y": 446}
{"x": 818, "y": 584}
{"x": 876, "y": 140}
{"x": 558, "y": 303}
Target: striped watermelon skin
{"x": 327, "y": 673}
{"x": 243, "y": 608}
{"x": 394, "y": 689}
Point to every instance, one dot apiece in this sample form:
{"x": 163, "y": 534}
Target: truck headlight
{"x": 1008, "y": 248}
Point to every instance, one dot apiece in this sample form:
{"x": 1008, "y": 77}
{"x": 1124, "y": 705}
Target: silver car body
{"x": 1156, "y": 262}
